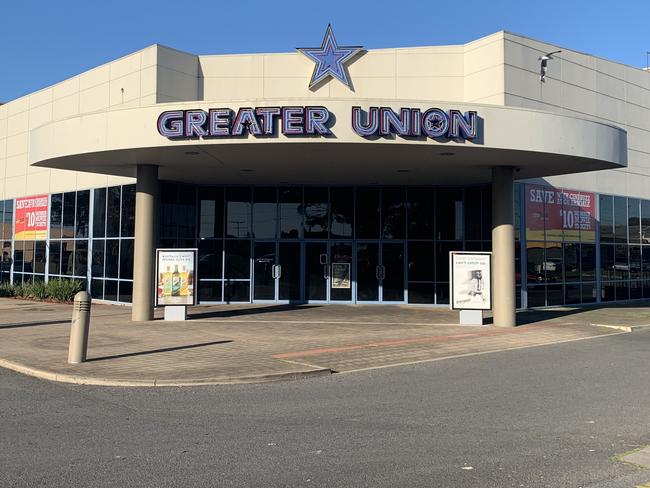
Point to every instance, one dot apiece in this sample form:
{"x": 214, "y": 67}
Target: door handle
{"x": 383, "y": 272}
{"x": 278, "y": 271}
{"x": 325, "y": 271}
{"x": 378, "y": 272}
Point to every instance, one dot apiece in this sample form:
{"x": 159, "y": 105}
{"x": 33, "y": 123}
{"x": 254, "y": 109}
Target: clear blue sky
{"x": 46, "y": 41}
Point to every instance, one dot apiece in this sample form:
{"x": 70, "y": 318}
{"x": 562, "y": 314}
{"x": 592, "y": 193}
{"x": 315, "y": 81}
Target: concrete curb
{"x": 93, "y": 381}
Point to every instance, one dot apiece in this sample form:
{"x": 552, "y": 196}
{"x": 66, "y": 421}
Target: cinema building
{"x": 381, "y": 161}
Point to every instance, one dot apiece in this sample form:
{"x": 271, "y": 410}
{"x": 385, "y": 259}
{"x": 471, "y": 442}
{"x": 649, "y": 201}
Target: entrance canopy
{"x": 536, "y": 143}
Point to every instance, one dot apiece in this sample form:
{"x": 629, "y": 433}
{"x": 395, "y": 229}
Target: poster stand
{"x": 470, "y": 285}
{"x": 176, "y": 276}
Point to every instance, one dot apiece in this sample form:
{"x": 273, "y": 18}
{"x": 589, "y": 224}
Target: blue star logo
{"x": 330, "y": 59}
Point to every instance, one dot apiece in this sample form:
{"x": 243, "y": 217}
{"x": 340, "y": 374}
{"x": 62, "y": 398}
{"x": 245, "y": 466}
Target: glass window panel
{"x": 39, "y": 257}
{"x": 316, "y": 216}
{"x": 126, "y": 291}
{"x": 588, "y": 292}
{"x": 572, "y": 294}
{"x": 421, "y": 292}
{"x": 237, "y": 291}
{"x": 54, "y": 258}
{"x": 517, "y": 261}
{"x": 634, "y": 220}
{"x": 82, "y": 214}
{"x": 473, "y": 213}
{"x": 128, "y": 211}
{"x": 28, "y": 257}
{"x": 420, "y": 213}
{"x": 608, "y": 291}
{"x": 342, "y": 212}
{"x": 607, "y": 262}
{"x": 113, "y": 212}
{"x": 56, "y": 215}
{"x": 646, "y": 289}
{"x": 126, "y": 259}
{"x": 421, "y": 262}
{"x": 606, "y": 218}
{"x": 486, "y": 195}
{"x": 210, "y": 212}
{"x": 442, "y": 258}
{"x": 554, "y": 295}
{"x": 97, "y": 266}
{"x": 620, "y": 219}
{"x": 210, "y": 259}
{"x": 291, "y": 213}
{"x": 19, "y": 248}
{"x": 168, "y": 202}
{"x": 111, "y": 258}
{"x": 110, "y": 290}
{"x": 209, "y": 291}
{"x": 237, "y": 259}
{"x": 621, "y": 264}
{"x": 536, "y": 296}
{"x": 449, "y": 213}
{"x": 622, "y": 290}
{"x": 553, "y": 262}
{"x": 518, "y": 188}
{"x": 265, "y": 212}
{"x": 81, "y": 258}
{"x": 68, "y": 214}
{"x": 185, "y": 212}
{"x": 67, "y": 257}
{"x": 636, "y": 291}
{"x": 99, "y": 212}
{"x": 635, "y": 262}
{"x": 535, "y": 269}
{"x": 588, "y": 262}
{"x": 238, "y": 212}
{"x": 645, "y": 262}
{"x": 367, "y": 213}
{"x": 393, "y": 210}
{"x": 442, "y": 293}
{"x": 645, "y": 221}
{"x": 572, "y": 262}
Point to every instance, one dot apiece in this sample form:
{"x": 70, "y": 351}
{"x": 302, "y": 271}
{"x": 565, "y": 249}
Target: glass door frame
{"x": 380, "y": 281}
{"x": 305, "y": 292}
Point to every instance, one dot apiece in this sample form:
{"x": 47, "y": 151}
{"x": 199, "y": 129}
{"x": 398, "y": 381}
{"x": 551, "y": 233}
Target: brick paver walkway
{"x": 231, "y": 343}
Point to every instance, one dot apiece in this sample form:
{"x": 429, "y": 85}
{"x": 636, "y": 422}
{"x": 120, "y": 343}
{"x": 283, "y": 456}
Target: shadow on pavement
{"x": 249, "y": 311}
{"x": 532, "y": 316}
{"x": 154, "y": 351}
{"x": 33, "y": 324}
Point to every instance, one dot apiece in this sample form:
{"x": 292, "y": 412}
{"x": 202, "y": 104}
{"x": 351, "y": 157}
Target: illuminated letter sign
{"x": 411, "y": 122}
{"x": 433, "y": 123}
{"x": 260, "y": 121}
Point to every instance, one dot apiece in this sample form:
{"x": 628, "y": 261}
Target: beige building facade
{"x": 580, "y": 136}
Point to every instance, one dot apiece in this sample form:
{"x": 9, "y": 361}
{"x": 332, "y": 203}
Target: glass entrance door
{"x": 340, "y": 272}
{"x": 316, "y": 271}
{"x": 380, "y": 272}
{"x": 264, "y": 271}
{"x": 392, "y": 272}
{"x": 288, "y": 272}
{"x": 276, "y": 272}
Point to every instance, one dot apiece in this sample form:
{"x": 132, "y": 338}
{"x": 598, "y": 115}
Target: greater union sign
{"x": 432, "y": 123}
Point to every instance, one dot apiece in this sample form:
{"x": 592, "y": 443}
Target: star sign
{"x": 330, "y": 59}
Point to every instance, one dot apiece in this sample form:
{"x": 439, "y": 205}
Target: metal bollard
{"x": 79, "y": 330}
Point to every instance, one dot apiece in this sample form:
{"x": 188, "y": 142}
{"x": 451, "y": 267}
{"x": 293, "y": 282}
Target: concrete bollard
{"x": 79, "y": 330}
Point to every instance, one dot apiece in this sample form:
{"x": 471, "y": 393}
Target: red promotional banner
{"x": 555, "y": 214}
{"x": 31, "y": 218}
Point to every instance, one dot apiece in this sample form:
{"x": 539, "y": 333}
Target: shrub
{"x": 36, "y": 290}
{"x": 63, "y": 290}
{"x": 7, "y": 290}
